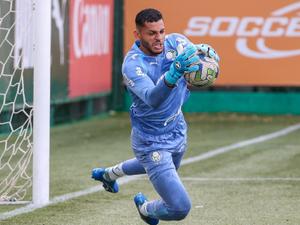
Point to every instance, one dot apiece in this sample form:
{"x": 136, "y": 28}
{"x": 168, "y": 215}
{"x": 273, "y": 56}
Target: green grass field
{"x": 254, "y": 185}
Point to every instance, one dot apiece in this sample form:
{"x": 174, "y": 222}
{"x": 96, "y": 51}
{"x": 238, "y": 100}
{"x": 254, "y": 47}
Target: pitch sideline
{"x": 124, "y": 180}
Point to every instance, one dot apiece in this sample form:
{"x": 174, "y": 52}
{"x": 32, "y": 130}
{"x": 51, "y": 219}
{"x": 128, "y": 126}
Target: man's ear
{"x": 136, "y": 35}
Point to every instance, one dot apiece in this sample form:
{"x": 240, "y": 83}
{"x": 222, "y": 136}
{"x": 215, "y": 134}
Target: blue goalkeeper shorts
{"x": 160, "y": 152}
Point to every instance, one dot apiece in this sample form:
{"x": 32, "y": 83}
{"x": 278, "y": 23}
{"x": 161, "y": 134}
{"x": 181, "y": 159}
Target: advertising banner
{"x": 59, "y": 50}
{"x": 258, "y": 41}
{"x": 90, "y": 39}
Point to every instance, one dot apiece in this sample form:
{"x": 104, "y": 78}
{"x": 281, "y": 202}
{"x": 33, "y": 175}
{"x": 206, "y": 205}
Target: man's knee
{"x": 182, "y": 211}
{"x": 178, "y": 213}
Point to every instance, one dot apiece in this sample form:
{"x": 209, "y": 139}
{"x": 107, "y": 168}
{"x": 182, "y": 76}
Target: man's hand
{"x": 184, "y": 62}
{"x": 207, "y": 50}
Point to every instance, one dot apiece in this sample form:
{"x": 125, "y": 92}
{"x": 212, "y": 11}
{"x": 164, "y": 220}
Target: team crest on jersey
{"x": 171, "y": 54}
{"x": 156, "y": 157}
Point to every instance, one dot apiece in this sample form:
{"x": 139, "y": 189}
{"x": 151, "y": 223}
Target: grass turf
{"x": 76, "y": 148}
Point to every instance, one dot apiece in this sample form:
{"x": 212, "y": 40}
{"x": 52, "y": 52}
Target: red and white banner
{"x": 91, "y": 38}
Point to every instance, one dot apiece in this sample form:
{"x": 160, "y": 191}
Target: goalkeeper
{"x": 152, "y": 71}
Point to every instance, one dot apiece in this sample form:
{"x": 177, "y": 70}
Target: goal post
{"x": 25, "y": 51}
{"x": 41, "y": 102}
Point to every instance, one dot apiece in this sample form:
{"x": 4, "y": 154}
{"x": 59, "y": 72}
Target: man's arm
{"x": 141, "y": 85}
{"x": 153, "y": 95}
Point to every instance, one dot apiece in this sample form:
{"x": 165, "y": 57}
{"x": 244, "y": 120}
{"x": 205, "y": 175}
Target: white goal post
{"x": 41, "y": 99}
{"x": 25, "y": 52}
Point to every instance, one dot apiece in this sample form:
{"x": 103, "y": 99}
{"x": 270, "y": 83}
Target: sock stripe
{"x": 112, "y": 170}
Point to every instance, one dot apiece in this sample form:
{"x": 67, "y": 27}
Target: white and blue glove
{"x": 207, "y": 50}
{"x": 184, "y": 62}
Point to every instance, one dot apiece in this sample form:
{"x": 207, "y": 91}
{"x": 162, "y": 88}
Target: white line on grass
{"x": 237, "y": 179}
{"x": 242, "y": 179}
{"x": 207, "y": 155}
{"x": 242, "y": 144}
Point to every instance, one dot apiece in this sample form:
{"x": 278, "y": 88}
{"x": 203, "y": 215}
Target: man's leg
{"x": 108, "y": 176}
{"x": 133, "y": 167}
{"x": 175, "y": 203}
{"x": 178, "y": 155}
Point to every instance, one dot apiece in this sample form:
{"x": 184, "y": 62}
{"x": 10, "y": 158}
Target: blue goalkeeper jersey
{"x": 156, "y": 108}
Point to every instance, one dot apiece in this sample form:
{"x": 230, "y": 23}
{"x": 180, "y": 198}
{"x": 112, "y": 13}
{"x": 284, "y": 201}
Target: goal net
{"x": 16, "y": 99}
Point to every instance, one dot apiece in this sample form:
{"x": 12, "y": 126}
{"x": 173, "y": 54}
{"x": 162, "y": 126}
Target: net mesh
{"x": 15, "y": 109}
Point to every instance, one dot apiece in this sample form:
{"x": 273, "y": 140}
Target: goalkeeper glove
{"x": 207, "y": 50}
{"x": 184, "y": 62}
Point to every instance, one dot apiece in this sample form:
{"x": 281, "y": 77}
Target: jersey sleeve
{"x": 176, "y": 39}
{"x": 136, "y": 79}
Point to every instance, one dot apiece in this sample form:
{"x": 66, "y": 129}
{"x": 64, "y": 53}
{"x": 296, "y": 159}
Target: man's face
{"x": 151, "y": 36}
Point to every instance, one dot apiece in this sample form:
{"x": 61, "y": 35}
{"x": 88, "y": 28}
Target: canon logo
{"x": 274, "y": 26}
{"x": 90, "y": 29}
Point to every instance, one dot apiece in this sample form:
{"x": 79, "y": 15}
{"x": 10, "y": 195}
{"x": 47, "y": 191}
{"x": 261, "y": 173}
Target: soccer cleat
{"x": 110, "y": 186}
{"x": 139, "y": 200}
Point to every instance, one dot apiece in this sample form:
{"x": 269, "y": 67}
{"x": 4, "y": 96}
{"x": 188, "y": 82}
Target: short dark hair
{"x": 147, "y": 15}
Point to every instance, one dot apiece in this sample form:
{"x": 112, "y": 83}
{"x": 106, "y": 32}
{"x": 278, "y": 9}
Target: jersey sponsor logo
{"x": 278, "y": 25}
{"x": 128, "y": 82}
{"x": 139, "y": 71}
{"x": 156, "y": 156}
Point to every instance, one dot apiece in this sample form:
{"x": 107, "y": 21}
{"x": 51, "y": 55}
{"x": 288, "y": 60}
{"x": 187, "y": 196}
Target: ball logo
{"x": 277, "y": 25}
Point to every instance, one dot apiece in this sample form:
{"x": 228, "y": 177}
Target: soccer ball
{"x": 206, "y": 75}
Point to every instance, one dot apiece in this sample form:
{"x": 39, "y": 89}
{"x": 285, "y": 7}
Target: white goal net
{"x": 16, "y": 94}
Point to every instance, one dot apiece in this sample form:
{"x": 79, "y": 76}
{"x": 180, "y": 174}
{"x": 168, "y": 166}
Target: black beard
{"x": 146, "y": 46}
